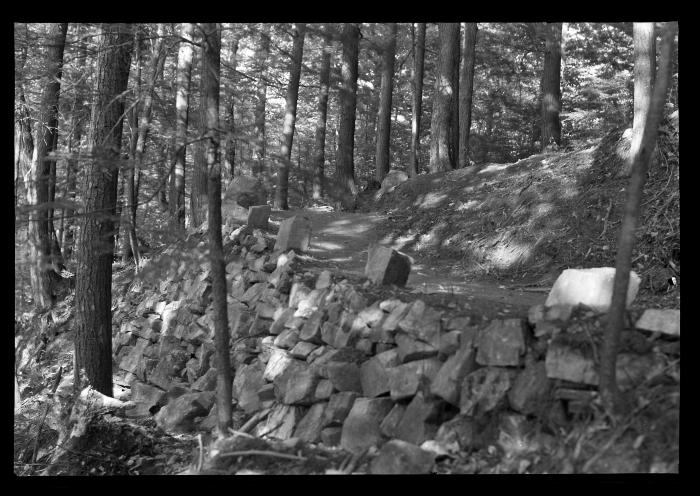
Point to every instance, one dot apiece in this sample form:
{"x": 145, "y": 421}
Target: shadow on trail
{"x": 339, "y": 243}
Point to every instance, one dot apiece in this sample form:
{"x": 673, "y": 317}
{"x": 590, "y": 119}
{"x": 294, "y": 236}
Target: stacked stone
{"x": 324, "y": 364}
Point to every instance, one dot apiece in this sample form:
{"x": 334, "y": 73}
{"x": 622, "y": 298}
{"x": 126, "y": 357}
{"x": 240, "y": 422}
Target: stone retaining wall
{"x": 318, "y": 361}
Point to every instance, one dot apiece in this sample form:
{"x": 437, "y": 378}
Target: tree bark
{"x": 198, "y": 191}
{"x": 290, "y": 115}
{"x": 39, "y": 237}
{"x": 454, "y": 111}
{"x": 644, "y": 67}
{"x": 230, "y": 119}
{"x": 615, "y": 322}
{"x": 383, "y": 156}
{"x": 210, "y": 93}
{"x": 157, "y": 61}
{"x": 182, "y": 106}
{"x": 417, "y": 80}
{"x": 466, "y": 91}
{"x": 440, "y": 157}
{"x": 93, "y": 289}
{"x": 348, "y": 101}
{"x": 551, "y": 85}
{"x": 260, "y": 167}
{"x": 322, "y": 113}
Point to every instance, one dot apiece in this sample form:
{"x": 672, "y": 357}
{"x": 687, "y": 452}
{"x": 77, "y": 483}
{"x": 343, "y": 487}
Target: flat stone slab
{"x": 502, "y": 343}
{"x": 387, "y": 266}
{"x": 179, "y": 414}
{"x": 448, "y": 381}
{"x": 259, "y": 216}
{"x": 294, "y": 234}
{"x": 592, "y": 287}
{"x": 246, "y": 384}
{"x": 339, "y": 407}
{"x": 145, "y": 396}
{"x": 361, "y": 427}
{"x": 374, "y": 374}
{"x": 484, "y": 389}
{"x": 310, "y": 426}
{"x": 529, "y": 389}
{"x": 297, "y": 384}
{"x": 414, "y": 426}
{"x": 404, "y": 380}
{"x": 666, "y": 321}
{"x": 399, "y": 457}
{"x": 280, "y": 423}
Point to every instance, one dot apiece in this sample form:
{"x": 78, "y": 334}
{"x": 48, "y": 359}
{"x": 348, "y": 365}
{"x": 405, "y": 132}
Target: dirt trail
{"x": 339, "y": 242}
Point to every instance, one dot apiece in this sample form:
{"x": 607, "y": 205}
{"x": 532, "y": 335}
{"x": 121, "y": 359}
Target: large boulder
{"x": 246, "y": 191}
{"x": 294, "y": 234}
{"x": 387, "y": 266}
{"x": 391, "y": 181}
{"x": 592, "y": 287}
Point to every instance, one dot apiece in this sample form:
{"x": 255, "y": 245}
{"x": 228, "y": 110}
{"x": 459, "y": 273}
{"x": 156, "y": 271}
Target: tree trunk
{"x": 182, "y": 105}
{"x": 260, "y": 167}
{"x": 454, "y": 111}
{"x": 93, "y": 289}
{"x": 290, "y": 115}
{"x": 198, "y": 189}
{"x": 615, "y": 322}
{"x": 551, "y": 85}
{"x": 383, "y": 157}
{"x": 320, "y": 136}
{"x": 440, "y": 158}
{"x": 417, "y": 80}
{"x": 466, "y": 91}
{"x": 348, "y": 100}
{"x": 644, "y": 68}
{"x": 230, "y": 148}
{"x": 211, "y": 53}
{"x": 157, "y": 61}
{"x": 38, "y": 185}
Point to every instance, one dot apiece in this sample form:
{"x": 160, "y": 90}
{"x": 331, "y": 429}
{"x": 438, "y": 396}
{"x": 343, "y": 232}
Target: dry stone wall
{"x": 315, "y": 359}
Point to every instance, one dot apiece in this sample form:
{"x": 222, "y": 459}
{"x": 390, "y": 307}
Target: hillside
{"x": 524, "y": 222}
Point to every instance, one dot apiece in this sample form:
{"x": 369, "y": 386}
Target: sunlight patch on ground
{"x": 399, "y": 242}
{"x": 430, "y": 200}
{"x": 325, "y": 245}
{"x": 505, "y": 255}
{"x": 493, "y": 168}
{"x": 470, "y": 205}
{"x": 542, "y": 209}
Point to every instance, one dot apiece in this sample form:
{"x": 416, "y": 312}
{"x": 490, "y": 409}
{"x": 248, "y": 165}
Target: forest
{"x": 346, "y": 248}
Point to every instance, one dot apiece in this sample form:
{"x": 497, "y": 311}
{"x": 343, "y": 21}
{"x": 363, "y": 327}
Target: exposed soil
{"x": 339, "y": 243}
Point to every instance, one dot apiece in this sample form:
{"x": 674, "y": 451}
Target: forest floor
{"x": 488, "y": 241}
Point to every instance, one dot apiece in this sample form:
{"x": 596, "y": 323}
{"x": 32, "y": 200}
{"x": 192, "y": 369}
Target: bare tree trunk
{"x": 38, "y": 185}
{"x": 260, "y": 167}
{"x": 93, "y": 289}
{"x": 320, "y": 137}
{"x": 230, "y": 84}
{"x": 454, "y": 111}
{"x": 348, "y": 100}
{"x": 157, "y": 61}
{"x": 211, "y": 53}
{"x": 417, "y": 80}
{"x": 615, "y": 322}
{"x": 644, "y": 68}
{"x": 290, "y": 115}
{"x": 440, "y": 157}
{"x": 551, "y": 85}
{"x": 383, "y": 157}
{"x": 182, "y": 106}
{"x": 466, "y": 91}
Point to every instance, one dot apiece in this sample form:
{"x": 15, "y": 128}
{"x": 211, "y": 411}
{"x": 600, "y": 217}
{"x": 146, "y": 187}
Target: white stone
{"x": 666, "y": 321}
{"x": 592, "y": 287}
